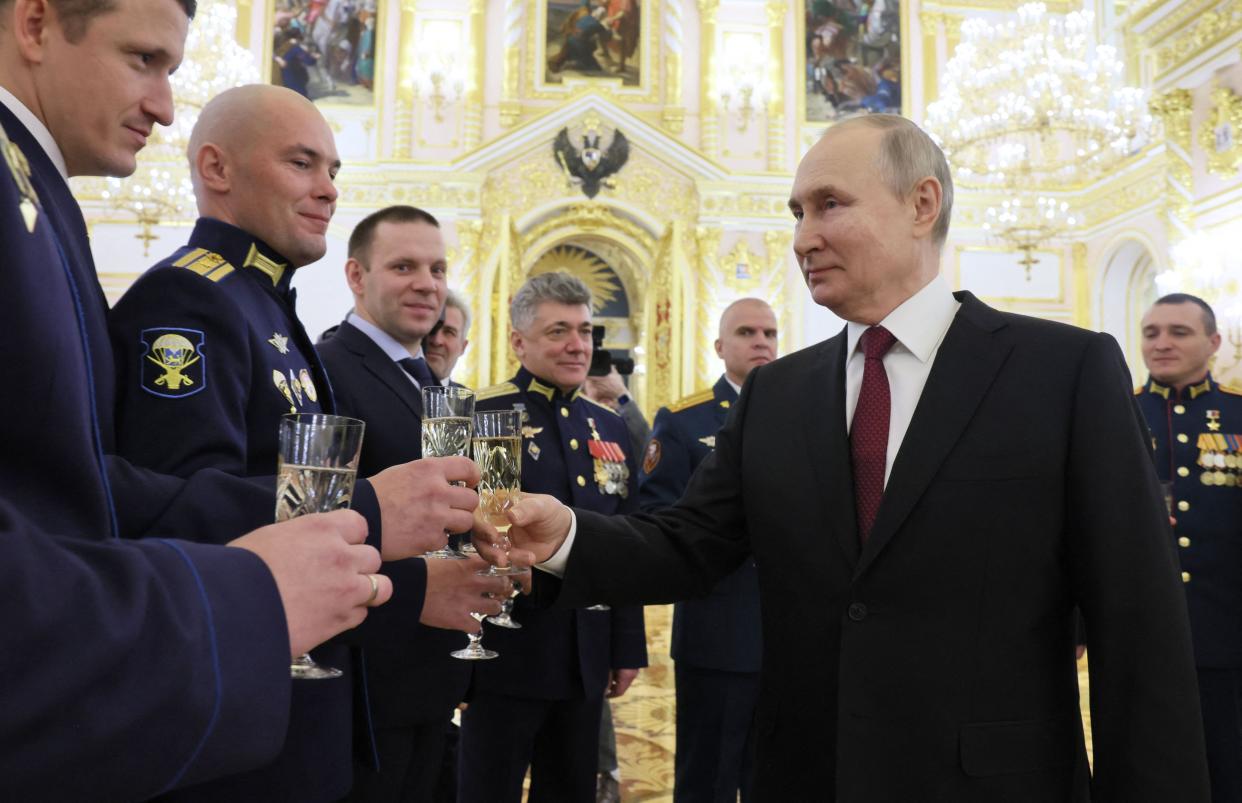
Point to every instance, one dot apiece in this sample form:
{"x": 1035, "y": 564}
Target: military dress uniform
{"x": 538, "y": 704}
{"x": 127, "y": 668}
{"x": 211, "y": 354}
{"x": 1197, "y": 435}
{"x": 717, "y": 641}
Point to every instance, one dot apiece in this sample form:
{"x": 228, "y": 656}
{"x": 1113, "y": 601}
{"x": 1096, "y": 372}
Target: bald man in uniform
{"x": 263, "y": 161}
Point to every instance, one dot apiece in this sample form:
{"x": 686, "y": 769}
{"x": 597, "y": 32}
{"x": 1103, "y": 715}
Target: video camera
{"x": 602, "y": 360}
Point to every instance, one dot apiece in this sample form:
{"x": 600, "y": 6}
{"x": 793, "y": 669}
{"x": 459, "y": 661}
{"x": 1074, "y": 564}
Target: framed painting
{"x": 325, "y": 49}
{"x": 593, "y": 39}
{"x": 852, "y": 55}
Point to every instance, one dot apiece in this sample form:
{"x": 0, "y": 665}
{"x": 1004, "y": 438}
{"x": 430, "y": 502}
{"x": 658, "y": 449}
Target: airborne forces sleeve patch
{"x": 652, "y": 458}
{"x": 173, "y": 362}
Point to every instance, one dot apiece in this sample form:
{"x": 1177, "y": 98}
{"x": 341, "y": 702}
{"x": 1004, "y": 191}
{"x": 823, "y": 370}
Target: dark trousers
{"x": 501, "y": 736}
{"x": 411, "y": 762}
{"x": 715, "y": 756}
{"x": 1220, "y": 694}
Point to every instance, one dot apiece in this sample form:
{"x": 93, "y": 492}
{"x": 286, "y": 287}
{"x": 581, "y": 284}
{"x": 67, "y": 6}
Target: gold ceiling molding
{"x": 1210, "y": 28}
{"x": 372, "y": 191}
{"x": 1220, "y": 134}
{"x": 1183, "y": 13}
{"x": 587, "y": 217}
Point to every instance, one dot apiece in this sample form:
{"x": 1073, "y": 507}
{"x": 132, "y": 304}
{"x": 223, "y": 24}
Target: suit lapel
{"x": 382, "y": 367}
{"x": 964, "y": 368}
{"x": 820, "y": 390}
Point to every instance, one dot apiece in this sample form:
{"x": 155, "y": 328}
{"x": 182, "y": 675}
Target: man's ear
{"x": 353, "y": 275}
{"x": 719, "y": 352}
{"x": 926, "y": 200}
{"x": 212, "y": 166}
{"x": 517, "y": 343}
{"x": 32, "y": 21}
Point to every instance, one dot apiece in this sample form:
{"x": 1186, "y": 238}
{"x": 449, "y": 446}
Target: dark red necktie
{"x": 869, "y": 429}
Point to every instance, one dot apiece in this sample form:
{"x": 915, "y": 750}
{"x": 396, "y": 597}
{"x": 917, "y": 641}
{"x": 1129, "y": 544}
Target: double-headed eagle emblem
{"x": 591, "y": 166}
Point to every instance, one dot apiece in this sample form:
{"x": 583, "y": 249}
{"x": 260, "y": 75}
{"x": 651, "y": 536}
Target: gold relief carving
{"x": 777, "y": 11}
{"x": 661, "y": 314}
{"x": 1082, "y": 285}
{"x": 1210, "y": 28}
{"x": 709, "y": 125}
{"x": 1221, "y": 133}
{"x": 746, "y": 204}
{"x": 375, "y": 191}
{"x": 1174, "y": 108}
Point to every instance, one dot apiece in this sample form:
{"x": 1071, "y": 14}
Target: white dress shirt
{"x": 387, "y": 343}
{"x": 37, "y": 129}
{"x": 919, "y": 324}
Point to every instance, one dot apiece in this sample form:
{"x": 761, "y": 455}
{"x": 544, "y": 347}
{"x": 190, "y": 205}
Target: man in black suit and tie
{"x": 927, "y": 496}
{"x": 398, "y": 274}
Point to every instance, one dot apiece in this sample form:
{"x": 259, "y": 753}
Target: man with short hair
{"x": 717, "y": 641}
{"x": 926, "y": 496}
{"x": 152, "y": 664}
{"x": 449, "y": 338}
{"x": 397, "y": 271}
{"x": 263, "y": 162}
{"x": 538, "y": 704}
{"x": 1196, "y": 426}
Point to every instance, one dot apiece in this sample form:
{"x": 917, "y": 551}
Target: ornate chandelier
{"x": 1027, "y": 226}
{"x": 1036, "y": 102}
{"x": 160, "y": 190}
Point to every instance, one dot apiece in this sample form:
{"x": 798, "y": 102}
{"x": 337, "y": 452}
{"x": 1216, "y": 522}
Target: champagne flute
{"x": 498, "y": 453}
{"x": 506, "y": 609}
{"x": 446, "y": 428}
{"x": 316, "y": 469}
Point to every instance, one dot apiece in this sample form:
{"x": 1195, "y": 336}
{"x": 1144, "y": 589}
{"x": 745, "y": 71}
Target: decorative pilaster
{"x": 778, "y": 11}
{"x": 709, "y": 122}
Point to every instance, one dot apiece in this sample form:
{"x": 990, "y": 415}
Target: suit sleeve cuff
{"x": 366, "y": 502}
{"x": 555, "y": 565}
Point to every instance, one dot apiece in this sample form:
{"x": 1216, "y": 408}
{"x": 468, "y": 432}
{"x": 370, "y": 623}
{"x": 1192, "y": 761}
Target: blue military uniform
{"x": 1197, "y": 435}
{"x": 127, "y": 668}
{"x": 538, "y": 704}
{"x": 211, "y": 355}
{"x": 717, "y": 641}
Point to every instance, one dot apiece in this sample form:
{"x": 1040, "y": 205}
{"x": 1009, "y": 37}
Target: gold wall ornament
{"x": 1220, "y": 134}
{"x": 1209, "y": 29}
{"x": 709, "y": 131}
{"x": 1174, "y": 108}
{"x": 778, "y": 14}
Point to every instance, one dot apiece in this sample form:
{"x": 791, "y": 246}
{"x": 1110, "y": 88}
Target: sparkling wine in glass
{"x": 447, "y": 418}
{"x": 315, "y": 473}
{"x": 498, "y": 454}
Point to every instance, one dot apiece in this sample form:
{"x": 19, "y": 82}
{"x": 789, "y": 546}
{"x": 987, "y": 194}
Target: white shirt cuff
{"x": 555, "y": 565}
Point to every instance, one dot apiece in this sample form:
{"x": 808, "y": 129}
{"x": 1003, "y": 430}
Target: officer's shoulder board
{"x": 702, "y": 397}
{"x": 1138, "y": 391}
{"x": 494, "y": 391}
{"x": 1232, "y": 390}
{"x": 599, "y": 405}
{"x": 207, "y": 264}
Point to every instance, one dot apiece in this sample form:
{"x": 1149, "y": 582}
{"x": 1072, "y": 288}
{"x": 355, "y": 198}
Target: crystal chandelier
{"x": 1027, "y": 226}
{"x": 1036, "y": 102}
{"x": 160, "y": 190}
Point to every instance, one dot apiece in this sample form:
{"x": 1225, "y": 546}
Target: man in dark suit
{"x": 538, "y": 705}
{"x": 397, "y": 272}
{"x": 1196, "y": 427}
{"x": 927, "y": 496}
{"x": 263, "y": 161}
{"x": 128, "y": 668}
{"x": 717, "y": 641}
{"x": 448, "y": 339}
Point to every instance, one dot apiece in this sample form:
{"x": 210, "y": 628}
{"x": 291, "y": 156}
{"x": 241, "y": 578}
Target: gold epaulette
{"x": 1232, "y": 390}
{"x": 599, "y": 405}
{"x": 207, "y": 264}
{"x": 503, "y": 389}
{"x": 1138, "y": 391}
{"x": 702, "y": 397}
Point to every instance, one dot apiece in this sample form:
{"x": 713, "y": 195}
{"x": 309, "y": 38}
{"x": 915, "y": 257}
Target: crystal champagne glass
{"x": 446, "y": 425}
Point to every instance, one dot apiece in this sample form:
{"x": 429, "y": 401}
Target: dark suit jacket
{"x": 722, "y": 631}
{"x": 410, "y": 680}
{"x": 125, "y": 668}
{"x": 936, "y": 663}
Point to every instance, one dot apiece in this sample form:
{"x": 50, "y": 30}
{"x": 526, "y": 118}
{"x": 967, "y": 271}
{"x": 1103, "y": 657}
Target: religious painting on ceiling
{"x": 593, "y": 39}
{"x": 325, "y": 49}
{"x": 853, "y": 58}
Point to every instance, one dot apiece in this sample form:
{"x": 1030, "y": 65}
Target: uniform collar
{"x": 243, "y": 251}
{"x": 1195, "y": 391}
{"x": 528, "y": 382}
{"x": 37, "y": 130}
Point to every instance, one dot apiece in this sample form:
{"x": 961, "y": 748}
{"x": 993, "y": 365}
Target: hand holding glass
{"x": 446, "y": 425}
{"x": 315, "y": 473}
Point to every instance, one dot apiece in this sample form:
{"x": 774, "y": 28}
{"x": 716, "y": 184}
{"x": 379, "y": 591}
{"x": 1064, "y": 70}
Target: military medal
{"x": 1213, "y": 420}
{"x": 611, "y": 473}
{"x": 709, "y": 441}
{"x": 308, "y": 387}
{"x": 282, "y": 384}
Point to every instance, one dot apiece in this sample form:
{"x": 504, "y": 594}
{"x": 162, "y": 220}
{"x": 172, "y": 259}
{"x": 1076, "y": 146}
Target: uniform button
{"x": 564, "y": 412}
{"x": 1183, "y": 506}
{"x": 1179, "y": 409}
{"x": 857, "y": 611}
{"x": 1182, "y": 437}
{"x": 573, "y": 444}
{"x": 581, "y": 481}
{"x": 1183, "y": 541}
{"x": 1182, "y": 471}
{"x": 1185, "y": 577}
